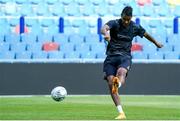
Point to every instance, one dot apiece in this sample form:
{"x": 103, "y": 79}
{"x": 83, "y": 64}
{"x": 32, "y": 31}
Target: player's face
{"x": 126, "y": 20}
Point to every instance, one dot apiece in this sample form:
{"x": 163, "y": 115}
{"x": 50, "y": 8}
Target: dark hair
{"x": 127, "y": 11}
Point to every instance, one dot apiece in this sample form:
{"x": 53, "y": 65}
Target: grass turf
{"x": 92, "y": 107}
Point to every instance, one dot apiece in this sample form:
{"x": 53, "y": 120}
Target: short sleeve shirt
{"x": 121, "y": 37}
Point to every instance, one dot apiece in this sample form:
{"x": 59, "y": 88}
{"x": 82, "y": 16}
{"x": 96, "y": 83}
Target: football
{"x": 58, "y": 93}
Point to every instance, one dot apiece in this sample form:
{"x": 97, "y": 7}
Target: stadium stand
{"x": 76, "y": 33}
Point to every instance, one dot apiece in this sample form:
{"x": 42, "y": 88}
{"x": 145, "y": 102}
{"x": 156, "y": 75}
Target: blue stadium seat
{"x": 1, "y": 38}
{"x": 12, "y": 38}
{"x": 166, "y": 48}
{"x": 57, "y": 10}
{"x": 82, "y": 47}
{"x": 87, "y": 10}
{"x": 18, "y": 47}
{"x": 156, "y": 55}
{"x": 29, "y": 38}
{"x": 56, "y": 55}
{"x": 42, "y": 10}
{"x": 177, "y": 47}
{"x": 154, "y": 23}
{"x": 34, "y": 47}
{"x": 72, "y": 55}
{"x": 69, "y": 47}
{"x": 76, "y": 39}
{"x": 46, "y": 22}
{"x": 39, "y": 55}
{"x": 97, "y": 47}
{"x": 139, "y": 55}
{"x": 23, "y": 55}
{"x": 149, "y": 48}
{"x": 72, "y": 10}
{"x": 4, "y": 47}
{"x": 42, "y": 37}
{"x": 172, "y": 55}
{"x": 13, "y": 22}
{"x": 61, "y": 38}
{"x": 88, "y": 55}
{"x": 100, "y": 55}
{"x": 25, "y": 10}
{"x": 7, "y": 55}
{"x": 92, "y": 38}
{"x": 148, "y": 11}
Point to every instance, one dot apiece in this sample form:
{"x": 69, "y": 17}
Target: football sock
{"x": 119, "y": 108}
{"x": 119, "y": 84}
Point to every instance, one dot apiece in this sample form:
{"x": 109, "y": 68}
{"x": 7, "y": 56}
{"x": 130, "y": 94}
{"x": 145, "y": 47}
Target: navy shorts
{"x": 112, "y": 63}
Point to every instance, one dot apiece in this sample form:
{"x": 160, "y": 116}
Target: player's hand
{"x": 159, "y": 45}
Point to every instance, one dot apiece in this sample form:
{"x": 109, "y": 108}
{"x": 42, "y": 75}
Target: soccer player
{"x": 119, "y": 34}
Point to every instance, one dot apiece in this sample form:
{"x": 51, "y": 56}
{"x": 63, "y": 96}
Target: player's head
{"x": 126, "y": 15}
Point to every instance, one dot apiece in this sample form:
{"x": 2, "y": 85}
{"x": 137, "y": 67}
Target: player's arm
{"x": 105, "y": 31}
{"x": 150, "y": 38}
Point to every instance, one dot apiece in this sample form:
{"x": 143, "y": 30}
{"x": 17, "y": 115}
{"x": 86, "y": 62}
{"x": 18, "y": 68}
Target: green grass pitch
{"x": 89, "y": 107}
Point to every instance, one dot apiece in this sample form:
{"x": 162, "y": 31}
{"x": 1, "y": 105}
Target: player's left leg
{"x": 120, "y": 76}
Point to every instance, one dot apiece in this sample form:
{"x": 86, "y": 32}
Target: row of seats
{"x": 84, "y": 8}
{"x": 78, "y": 55}
{"x": 51, "y": 55}
{"x": 42, "y": 38}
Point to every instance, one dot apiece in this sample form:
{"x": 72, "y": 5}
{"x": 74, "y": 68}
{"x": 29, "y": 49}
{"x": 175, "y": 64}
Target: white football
{"x": 58, "y": 93}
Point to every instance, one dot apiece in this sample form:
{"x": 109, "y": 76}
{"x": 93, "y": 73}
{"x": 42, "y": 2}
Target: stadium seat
{"x": 50, "y": 46}
{"x": 23, "y": 55}
{"x": 69, "y": 47}
{"x": 72, "y": 55}
{"x": 156, "y": 55}
{"x": 149, "y": 48}
{"x": 72, "y": 10}
{"x": 56, "y": 55}
{"x": 139, "y": 55}
{"x": 12, "y": 38}
{"x": 76, "y": 39}
{"x": 136, "y": 47}
{"x": 39, "y": 55}
{"x": 92, "y": 38}
{"x": 18, "y": 47}
{"x": 97, "y": 47}
{"x": 42, "y": 37}
{"x": 83, "y": 47}
{"x": 57, "y": 10}
{"x": 100, "y": 55}
{"x": 7, "y": 55}
{"x": 172, "y": 55}
{"x": 34, "y": 47}
{"x": 4, "y": 47}
{"x": 88, "y": 55}
{"x": 29, "y": 38}
{"x": 61, "y": 38}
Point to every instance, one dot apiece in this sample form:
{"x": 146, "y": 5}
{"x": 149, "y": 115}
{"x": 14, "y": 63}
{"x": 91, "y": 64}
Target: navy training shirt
{"x": 121, "y": 37}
